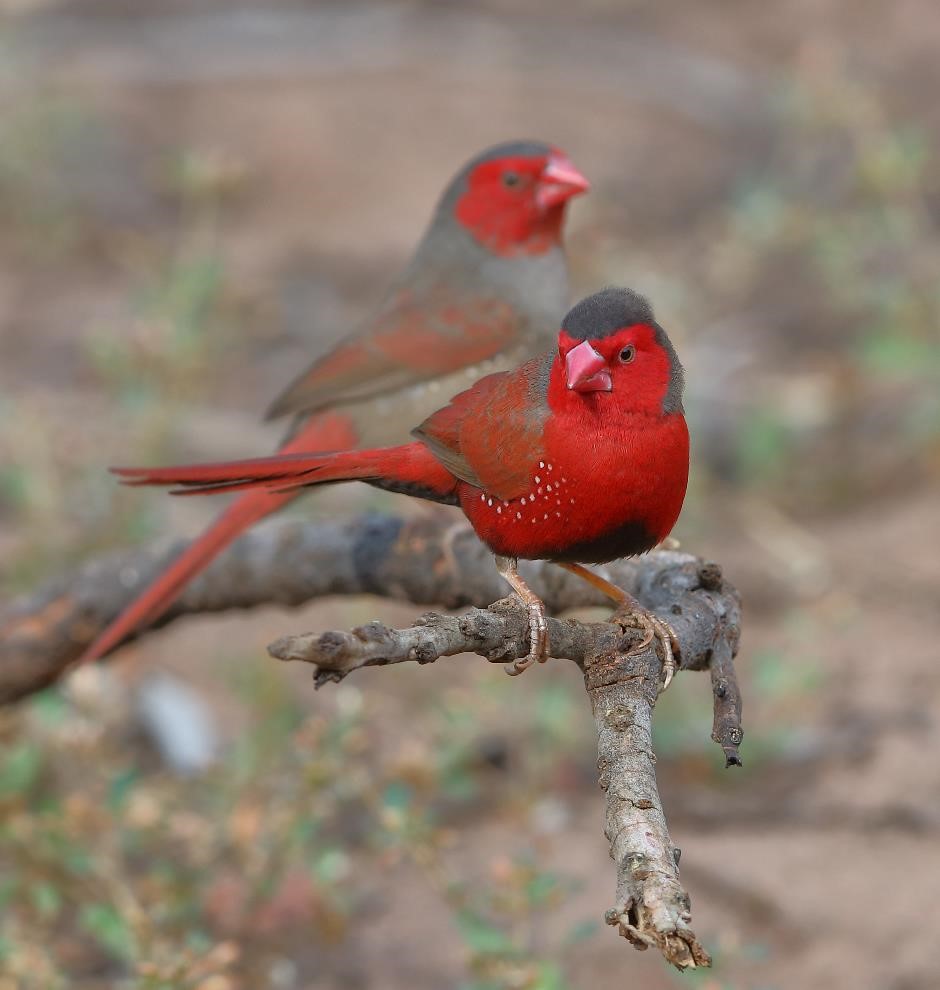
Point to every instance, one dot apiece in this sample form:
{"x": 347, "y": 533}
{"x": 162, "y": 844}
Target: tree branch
{"x": 651, "y": 907}
{"x": 430, "y": 560}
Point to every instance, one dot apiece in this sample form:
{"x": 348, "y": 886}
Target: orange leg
{"x": 641, "y": 618}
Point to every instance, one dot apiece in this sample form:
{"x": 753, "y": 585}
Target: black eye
{"x": 627, "y": 354}
{"x": 510, "y": 179}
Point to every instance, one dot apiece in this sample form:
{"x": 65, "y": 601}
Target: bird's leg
{"x": 538, "y": 631}
{"x": 628, "y": 608}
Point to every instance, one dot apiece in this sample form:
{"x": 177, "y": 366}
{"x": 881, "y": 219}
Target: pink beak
{"x": 586, "y": 370}
{"x": 559, "y": 181}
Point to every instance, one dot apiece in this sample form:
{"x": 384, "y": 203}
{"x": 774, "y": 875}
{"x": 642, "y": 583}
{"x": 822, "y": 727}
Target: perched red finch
{"x": 580, "y": 455}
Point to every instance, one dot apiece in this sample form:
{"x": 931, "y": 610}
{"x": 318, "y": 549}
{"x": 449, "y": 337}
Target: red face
{"x": 516, "y": 205}
{"x": 629, "y": 368}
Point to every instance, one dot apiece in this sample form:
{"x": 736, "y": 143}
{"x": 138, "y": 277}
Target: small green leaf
{"x": 20, "y": 769}
{"x": 542, "y": 887}
{"x": 46, "y": 900}
{"x": 549, "y": 978}
{"x": 398, "y": 795}
{"x": 483, "y": 937}
{"x": 121, "y": 786}
{"x": 50, "y": 706}
{"x": 105, "y": 924}
{"x": 896, "y": 353}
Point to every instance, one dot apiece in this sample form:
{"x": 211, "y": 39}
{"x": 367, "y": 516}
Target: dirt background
{"x": 198, "y": 197}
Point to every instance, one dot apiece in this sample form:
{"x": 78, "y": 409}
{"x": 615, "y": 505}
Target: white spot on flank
{"x": 482, "y": 498}
{"x": 499, "y": 509}
{"x": 518, "y": 515}
{"x": 539, "y": 490}
{"x": 489, "y": 501}
{"x": 549, "y": 467}
{"x": 545, "y": 516}
{"x": 572, "y": 501}
{"x": 558, "y": 514}
{"x": 548, "y": 488}
{"x": 538, "y": 480}
{"x": 542, "y": 464}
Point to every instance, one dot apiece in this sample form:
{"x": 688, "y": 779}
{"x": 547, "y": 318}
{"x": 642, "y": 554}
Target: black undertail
{"x": 414, "y": 490}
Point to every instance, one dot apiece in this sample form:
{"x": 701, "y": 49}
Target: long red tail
{"x": 410, "y": 466}
{"x": 253, "y": 506}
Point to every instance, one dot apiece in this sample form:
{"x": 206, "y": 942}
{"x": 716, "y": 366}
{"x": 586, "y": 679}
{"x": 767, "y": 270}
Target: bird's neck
{"x": 513, "y": 235}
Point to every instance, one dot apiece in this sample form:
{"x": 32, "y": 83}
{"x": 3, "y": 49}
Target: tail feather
{"x": 273, "y": 481}
{"x": 272, "y": 486}
{"x": 166, "y": 588}
{"x": 324, "y": 432}
{"x": 257, "y": 475}
{"x": 257, "y": 469}
{"x": 281, "y": 472}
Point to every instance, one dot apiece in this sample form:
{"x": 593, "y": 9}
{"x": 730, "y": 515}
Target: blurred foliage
{"x": 149, "y": 361}
{"x": 36, "y": 141}
{"x": 835, "y": 246}
{"x": 117, "y": 874}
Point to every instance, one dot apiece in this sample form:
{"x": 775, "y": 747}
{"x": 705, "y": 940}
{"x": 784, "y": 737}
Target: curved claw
{"x": 538, "y": 641}
{"x": 654, "y": 628}
{"x": 632, "y": 613}
{"x": 538, "y": 629}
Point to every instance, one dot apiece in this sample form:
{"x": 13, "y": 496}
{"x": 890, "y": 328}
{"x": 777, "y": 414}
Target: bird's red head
{"x": 512, "y": 198}
{"x": 610, "y": 347}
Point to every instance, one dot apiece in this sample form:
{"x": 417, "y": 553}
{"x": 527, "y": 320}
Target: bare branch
{"x": 651, "y": 906}
{"x": 499, "y": 633}
{"x": 426, "y": 560}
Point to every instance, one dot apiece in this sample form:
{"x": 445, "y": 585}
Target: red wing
{"x": 491, "y": 435}
{"x": 411, "y": 341}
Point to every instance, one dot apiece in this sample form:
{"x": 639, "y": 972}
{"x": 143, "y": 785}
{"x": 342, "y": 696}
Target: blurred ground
{"x": 197, "y": 198}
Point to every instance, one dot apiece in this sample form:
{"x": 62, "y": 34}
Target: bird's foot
{"x": 631, "y": 613}
{"x": 655, "y": 629}
{"x": 538, "y": 640}
{"x": 538, "y": 628}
